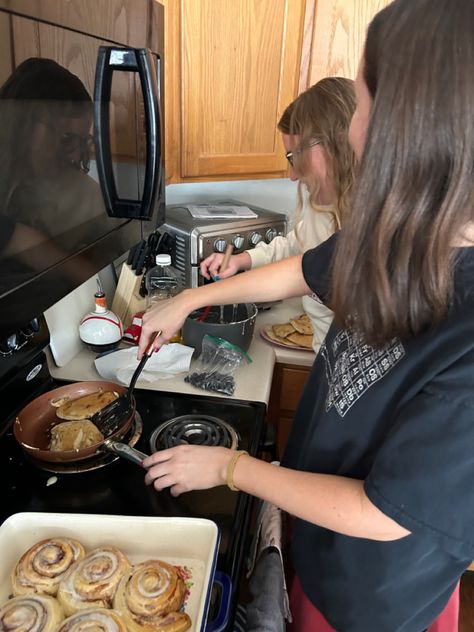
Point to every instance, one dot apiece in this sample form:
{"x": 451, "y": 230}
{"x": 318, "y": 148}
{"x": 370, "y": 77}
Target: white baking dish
{"x": 190, "y": 542}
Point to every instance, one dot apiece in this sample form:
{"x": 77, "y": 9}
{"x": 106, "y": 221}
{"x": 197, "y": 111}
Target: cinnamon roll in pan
{"x": 94, "y": 620}
{"x": 150, "y": 596}
{"x": 92, "y": 582}
{"x": 42, "y": 567}
{"x": 30, "y": 613}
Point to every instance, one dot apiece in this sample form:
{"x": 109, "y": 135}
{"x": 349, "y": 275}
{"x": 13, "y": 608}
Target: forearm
{"x": 283, "y": 279}
{"x": 333, "y": 502}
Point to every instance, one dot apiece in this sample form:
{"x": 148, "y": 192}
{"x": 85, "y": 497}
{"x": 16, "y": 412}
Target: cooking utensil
{"x": 111, "y": 416}
{"x": 32, "y": 426}
{"x": 223, "y": 268}
{"x": 124, "y": 451}
{"x": 239, "y": 332}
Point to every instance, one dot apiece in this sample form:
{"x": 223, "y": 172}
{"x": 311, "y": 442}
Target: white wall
{"x": 274, "y": 195}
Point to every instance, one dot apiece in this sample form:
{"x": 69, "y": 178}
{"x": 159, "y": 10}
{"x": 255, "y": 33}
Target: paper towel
{"x": 164, "y": 364}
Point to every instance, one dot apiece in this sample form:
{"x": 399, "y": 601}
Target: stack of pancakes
{"x": 79, "y": 432}
{"x": 298, "y": 332}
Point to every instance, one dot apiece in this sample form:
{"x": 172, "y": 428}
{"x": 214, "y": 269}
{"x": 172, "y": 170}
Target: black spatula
{"x": 111, "y": 417}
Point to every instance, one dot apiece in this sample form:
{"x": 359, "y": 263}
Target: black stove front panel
{"x": 119, "y": 487}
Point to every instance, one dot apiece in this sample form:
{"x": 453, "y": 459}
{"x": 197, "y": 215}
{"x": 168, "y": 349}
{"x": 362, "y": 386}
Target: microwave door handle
{"x": 153, "y": 125}
{"x": 109, "y": 60}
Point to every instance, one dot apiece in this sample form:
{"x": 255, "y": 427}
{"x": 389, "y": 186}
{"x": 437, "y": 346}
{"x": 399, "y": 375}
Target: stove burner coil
{"x": 194, "y": 430}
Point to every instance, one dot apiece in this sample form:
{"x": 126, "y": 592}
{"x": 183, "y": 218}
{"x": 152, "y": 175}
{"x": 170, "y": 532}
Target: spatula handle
{"x": 148, "y": 353}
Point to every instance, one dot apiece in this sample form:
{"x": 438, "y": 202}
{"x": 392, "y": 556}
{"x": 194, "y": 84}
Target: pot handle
{"x": 123, "y": 450}
{"x": 221, "y": 620}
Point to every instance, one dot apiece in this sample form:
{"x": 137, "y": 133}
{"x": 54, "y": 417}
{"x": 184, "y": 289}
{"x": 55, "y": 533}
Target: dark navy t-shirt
{"x": 401, "y": 418}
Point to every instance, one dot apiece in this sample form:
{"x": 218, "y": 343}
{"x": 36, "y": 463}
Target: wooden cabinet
{"x": 334, "y": 37}
{"x": 231, "y": 68}
{"x": 124, "y": 21}
{"x": 287, "y": 387}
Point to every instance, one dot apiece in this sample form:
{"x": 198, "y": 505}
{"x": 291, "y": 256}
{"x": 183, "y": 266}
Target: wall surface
{"x": 275, "y": 195}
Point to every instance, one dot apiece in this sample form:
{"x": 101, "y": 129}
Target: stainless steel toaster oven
{"x": 191, "y": 240}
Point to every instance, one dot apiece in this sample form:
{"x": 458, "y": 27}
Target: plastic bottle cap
{"x": 163, "y": 260}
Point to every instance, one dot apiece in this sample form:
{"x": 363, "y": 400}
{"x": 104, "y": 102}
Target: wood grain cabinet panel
{"x": 232, "y": 66}
{"x": 335, "y": 36}
{"x": 124, "y": 21}
{"x": 287, "y": 386}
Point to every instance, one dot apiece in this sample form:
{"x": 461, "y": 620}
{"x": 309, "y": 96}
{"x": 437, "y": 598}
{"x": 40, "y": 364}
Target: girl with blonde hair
{"x": 314, "y": 130}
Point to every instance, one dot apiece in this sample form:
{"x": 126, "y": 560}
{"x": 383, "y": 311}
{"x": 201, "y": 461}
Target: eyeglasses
{"x": 290, "y": 155}
{"x": 72, "y": 142}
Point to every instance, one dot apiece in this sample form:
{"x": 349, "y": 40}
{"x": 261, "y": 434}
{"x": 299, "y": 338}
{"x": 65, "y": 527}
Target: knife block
{"x": 127, "y": 301}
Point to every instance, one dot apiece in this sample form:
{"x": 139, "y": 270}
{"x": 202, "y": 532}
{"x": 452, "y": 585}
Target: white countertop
{"x": 253, "y": 382}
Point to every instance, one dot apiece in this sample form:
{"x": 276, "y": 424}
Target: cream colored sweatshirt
{"x": 314, "y": 228}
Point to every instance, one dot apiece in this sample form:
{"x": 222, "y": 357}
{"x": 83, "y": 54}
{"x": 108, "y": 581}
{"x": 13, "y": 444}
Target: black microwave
{"x": 81, "y": 140}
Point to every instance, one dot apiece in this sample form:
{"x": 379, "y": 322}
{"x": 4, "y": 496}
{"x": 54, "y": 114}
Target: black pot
{"x": 236, "y": 326}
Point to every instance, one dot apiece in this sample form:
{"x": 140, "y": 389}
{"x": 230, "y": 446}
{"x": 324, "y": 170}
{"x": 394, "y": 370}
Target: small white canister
{"x": 101, "y": 330}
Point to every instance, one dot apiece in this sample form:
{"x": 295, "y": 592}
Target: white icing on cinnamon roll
{"x": 41, "y": 568}
{"x": 30, "y": 613}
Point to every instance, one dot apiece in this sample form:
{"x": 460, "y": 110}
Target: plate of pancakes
{"x": 297, "y": 333}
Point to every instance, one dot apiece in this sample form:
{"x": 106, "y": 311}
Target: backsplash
{"x": 275, "y": 195}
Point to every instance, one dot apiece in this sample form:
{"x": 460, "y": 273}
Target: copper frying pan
{"x": 33, "y": 423}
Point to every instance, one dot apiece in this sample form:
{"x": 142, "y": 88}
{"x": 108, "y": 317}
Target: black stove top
{"x": 118, "y": 488}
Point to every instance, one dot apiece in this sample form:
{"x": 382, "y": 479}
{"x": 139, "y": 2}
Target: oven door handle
{"x": 221, "y": 620}
{"x": 139, "y": 60}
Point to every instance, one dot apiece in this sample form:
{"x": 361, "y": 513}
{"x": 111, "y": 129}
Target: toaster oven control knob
{"x": 255, "y": 238}
{"x": 238, "y": 242}
{"x": 220, "y": 245}
{"x": 270, "y": 235}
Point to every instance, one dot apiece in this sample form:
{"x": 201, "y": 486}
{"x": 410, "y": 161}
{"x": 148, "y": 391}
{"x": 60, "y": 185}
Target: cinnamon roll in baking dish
{"x": 149, "y": 598}
{"x": 94, "y": 620}
{"x": 30, "y": 613}
{"x": 93, "y": 581}
{"x": 42, "y": 567}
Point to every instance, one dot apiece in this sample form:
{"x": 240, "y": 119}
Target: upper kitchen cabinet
{"x": 231, "y": 68}
{"x": 124, "y": 21}
{"x": 334, "y": 37}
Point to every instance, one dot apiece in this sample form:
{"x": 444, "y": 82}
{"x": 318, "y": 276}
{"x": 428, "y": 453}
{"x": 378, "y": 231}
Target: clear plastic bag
{"x": 216, "y": 366}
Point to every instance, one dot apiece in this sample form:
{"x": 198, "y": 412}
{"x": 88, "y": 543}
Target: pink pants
{"x": 307, "y": 618}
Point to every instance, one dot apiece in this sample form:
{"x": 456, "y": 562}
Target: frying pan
{"x": 32, "y": 426}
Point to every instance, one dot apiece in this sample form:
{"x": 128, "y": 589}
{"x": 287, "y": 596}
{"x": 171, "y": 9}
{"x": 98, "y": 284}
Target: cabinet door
{"x": 122, "y": 21}
{"x": 238, "y": 69}
{"x": 335, "y": 43}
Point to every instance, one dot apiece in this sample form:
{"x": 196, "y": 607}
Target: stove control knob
{"x": 255, "y": 238}
{"x": 238, "y": 242}
{"x": 270, "y": 235}
{"x": 34, "y": 325}
{"x": 32, "y": 328}
{"x": 220, "y": 245}
{"x": 9, "y": 345}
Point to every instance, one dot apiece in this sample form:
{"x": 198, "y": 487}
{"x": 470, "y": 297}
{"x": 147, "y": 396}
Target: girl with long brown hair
{"x": 378, "y": 469}
{"x": 314, "y": 130}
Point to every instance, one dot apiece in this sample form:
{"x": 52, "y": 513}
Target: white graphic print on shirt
{"x": 353, "y": 367}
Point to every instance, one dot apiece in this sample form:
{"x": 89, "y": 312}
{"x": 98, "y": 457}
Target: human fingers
{"x": 208, "y": 262}
{"x": 231, "y": 269}
{"x": 187, "y": 467}
{"x": 215, "y": 265}
{"x": 165, "y": 316}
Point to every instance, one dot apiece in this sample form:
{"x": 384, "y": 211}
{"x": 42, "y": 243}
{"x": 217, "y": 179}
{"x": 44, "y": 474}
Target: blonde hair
{"x": 323, "y": 113}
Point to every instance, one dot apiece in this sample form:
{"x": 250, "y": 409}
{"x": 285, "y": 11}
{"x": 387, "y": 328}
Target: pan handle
{"x": 123, "y": 450}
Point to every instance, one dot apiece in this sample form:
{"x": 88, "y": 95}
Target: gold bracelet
{"x": 231, "y": 467}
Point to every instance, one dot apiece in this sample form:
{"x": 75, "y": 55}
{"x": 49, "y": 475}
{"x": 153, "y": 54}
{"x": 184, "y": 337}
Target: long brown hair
{"x": 323, "y": 113}
{"x": 393, "y": 270}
